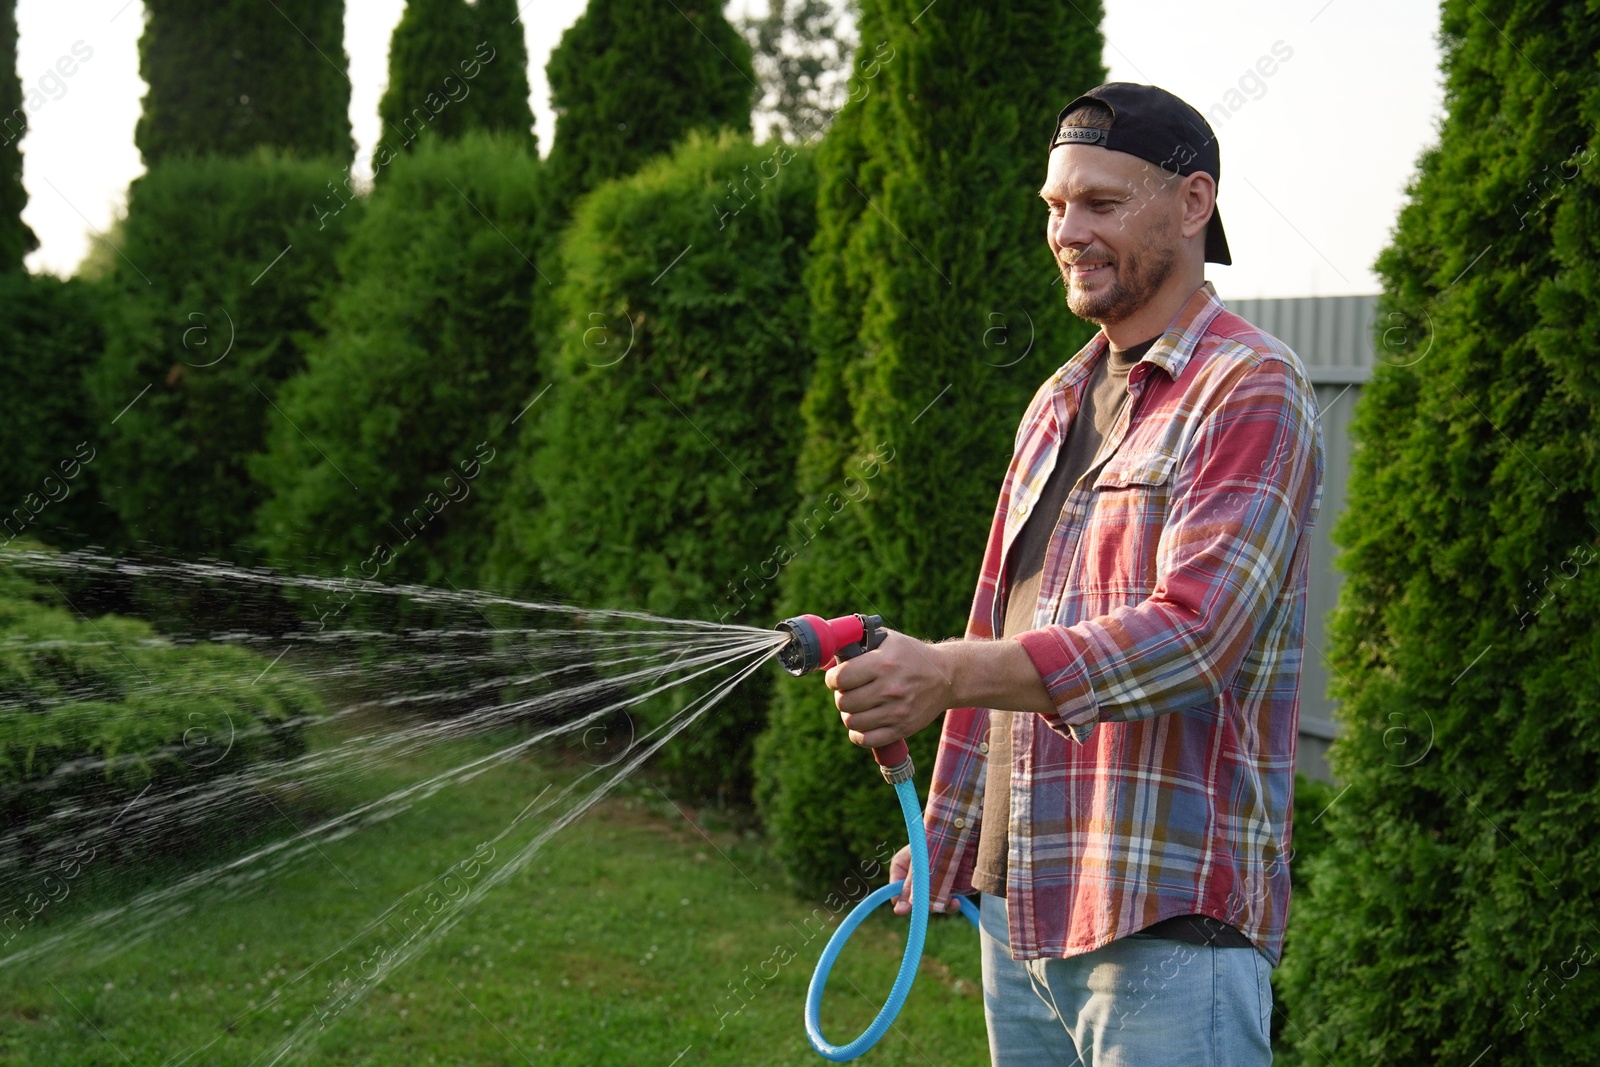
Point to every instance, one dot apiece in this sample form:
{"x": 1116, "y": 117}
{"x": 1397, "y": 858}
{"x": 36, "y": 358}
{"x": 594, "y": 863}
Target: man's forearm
{"x": 993, "y": 674}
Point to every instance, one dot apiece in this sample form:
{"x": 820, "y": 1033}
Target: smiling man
{"x": 1116, "y": 767}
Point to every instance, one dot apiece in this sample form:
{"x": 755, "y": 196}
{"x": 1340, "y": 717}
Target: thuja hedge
{"x": 454, "y": 67}
{"x": 627, "y": 83}
{"x": 1451, "y": 912}
{"x": 626, "y": 86}
{"x": 50, "y": 332}
{"x": 397, "y": 431}
{"x": 208, "y": 311}
{"x": 935, "y": 319}
{"x": 227, "y": 77}
{"x": 658, "y": 472}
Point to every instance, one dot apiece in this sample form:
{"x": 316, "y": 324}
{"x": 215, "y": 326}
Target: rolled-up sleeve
{"x": 1244, "y": 491}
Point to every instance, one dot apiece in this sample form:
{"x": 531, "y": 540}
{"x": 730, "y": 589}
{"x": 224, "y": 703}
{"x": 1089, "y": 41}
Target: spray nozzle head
{"x": 816, "y": 643}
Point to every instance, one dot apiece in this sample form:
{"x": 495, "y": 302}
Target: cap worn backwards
{"x": 1158, "y": 127}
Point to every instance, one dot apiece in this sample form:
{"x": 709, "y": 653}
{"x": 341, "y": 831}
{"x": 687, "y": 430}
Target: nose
{"x": 1070, "y": 230}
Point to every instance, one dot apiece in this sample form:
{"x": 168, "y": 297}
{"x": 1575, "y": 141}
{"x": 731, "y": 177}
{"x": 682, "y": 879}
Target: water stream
{"x": 545, "y": 673}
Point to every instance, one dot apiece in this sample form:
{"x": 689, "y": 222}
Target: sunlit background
{"x": 1315, "y": 156}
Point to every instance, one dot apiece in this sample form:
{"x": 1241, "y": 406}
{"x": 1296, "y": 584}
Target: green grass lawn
{"x": 620, "y": 943}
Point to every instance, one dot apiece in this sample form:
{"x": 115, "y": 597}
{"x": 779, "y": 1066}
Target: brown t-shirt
{"x": 1103, "y": 400}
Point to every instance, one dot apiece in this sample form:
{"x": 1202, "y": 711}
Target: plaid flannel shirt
{"x": 1169, "y": 632}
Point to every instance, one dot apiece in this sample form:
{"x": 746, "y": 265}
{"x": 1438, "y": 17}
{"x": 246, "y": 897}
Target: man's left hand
{"x": 891, "y": 692}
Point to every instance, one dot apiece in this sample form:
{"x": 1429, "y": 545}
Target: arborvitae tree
{"x": 629, "y": 79}
{"x": 935, "y": 318}
{"x": 392, "y": 439}
{"x": 627, "y": 82}
{"x": 209, "y": 309}
{"x": 228, "y": 76}
{"x": 50, "y": 334}
{"x": 501, "y": 96}
{"x": 16, "y": 237}
{"x": 1451, "y": 912}
{"x": 454, "y": 67}
{"x": 662, "y": 470}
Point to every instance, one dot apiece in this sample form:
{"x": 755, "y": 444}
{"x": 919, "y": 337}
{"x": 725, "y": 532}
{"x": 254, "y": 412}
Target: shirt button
{"x": 960, "y": 823}
{"x": 983, "y": 747}
{"x": 1022, "y": 508}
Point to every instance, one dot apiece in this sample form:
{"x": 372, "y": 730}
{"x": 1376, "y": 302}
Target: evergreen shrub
{"x": 935, "y": 318}
{"x": 661, "y": 475}
{"x": 208, "y": 311}
{"x": 395, "y": 433}
{"x": 226, "y": 77}
{"x": 1451, "y": 911}
{"x": 49, "y": 485}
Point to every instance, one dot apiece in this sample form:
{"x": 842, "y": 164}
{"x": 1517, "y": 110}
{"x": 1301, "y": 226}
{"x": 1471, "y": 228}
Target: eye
{"x": 1103, "y": 205}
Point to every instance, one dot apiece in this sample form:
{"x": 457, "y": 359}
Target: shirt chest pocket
{"x": 1132, "y": 496}
{"x": 1138, "y": 469}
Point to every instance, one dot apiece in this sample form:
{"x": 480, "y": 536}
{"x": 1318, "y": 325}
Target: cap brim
{"x": 1216, "y": 240}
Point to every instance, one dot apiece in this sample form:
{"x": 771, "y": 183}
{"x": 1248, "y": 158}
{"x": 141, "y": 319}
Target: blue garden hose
{"x": 918, "y": 835}
{"x": 815, "y": 643}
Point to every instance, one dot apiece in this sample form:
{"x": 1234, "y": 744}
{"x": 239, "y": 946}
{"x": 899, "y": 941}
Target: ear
{"x": 1199, "y": 195}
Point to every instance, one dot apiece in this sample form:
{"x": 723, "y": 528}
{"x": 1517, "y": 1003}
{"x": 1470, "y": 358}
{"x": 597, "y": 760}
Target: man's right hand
{"x": 900, "y": 867}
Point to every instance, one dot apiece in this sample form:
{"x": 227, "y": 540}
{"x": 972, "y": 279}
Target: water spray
{"x": 816, "y": 644}
{"x": 585, "y": 664}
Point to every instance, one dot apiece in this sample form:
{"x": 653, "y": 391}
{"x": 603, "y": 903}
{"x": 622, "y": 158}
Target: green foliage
{"x": 659, "y": 470}
{"x": 1312, "y": 801}
{"x": 49, "y": 483}
{"x": 209, "y": 309}
{"x": 627, "y": 82}
{"x": 934, "y": 322}
{"x": 227, "y": 77}
{"x": 1451, "y": 909}
{"x": 455, "y": 67}
{"x": 137, "y": 707}
{"x": 17, "y": 238}
{"x": 629, "y": 79}
{"x": 380, "y": 462}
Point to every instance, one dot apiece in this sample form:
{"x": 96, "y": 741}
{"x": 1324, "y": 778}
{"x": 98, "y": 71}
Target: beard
{"x": 1135, "y": 279}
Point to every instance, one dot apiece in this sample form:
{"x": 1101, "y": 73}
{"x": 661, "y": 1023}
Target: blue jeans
{"x": 1137, "y": 1002}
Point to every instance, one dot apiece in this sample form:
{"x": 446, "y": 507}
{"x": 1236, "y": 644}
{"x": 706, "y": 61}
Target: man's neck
{"x": 1159, "y": 311}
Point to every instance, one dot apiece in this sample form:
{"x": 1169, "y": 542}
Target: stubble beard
{"x": 1136, "y": 278}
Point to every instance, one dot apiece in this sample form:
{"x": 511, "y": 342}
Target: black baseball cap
{"x": 1159, "y": 128}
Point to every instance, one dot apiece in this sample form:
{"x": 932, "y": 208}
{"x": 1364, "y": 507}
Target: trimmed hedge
{"x": 1452, "y": 909}
{"x": 454, "y": 67}
{"x": 227, "y": 77}
{"x": 209, "y": 311}
{"x": 658, "y": 473}
{"x": 49, "y": 484}
{"x": 389, "y": 442}
{"x": 627, "y": 82}
{"x": 934, "y": 322}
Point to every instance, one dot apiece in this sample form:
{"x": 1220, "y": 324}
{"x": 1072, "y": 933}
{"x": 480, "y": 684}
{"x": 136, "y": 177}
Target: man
{"x": 1116, "y": 767}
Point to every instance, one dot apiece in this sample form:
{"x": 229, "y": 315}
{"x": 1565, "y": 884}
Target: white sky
{"x": 1314, "y": 162}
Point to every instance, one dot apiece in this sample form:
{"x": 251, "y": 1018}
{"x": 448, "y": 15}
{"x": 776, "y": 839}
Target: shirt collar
{"x": 1171, "y": 351}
